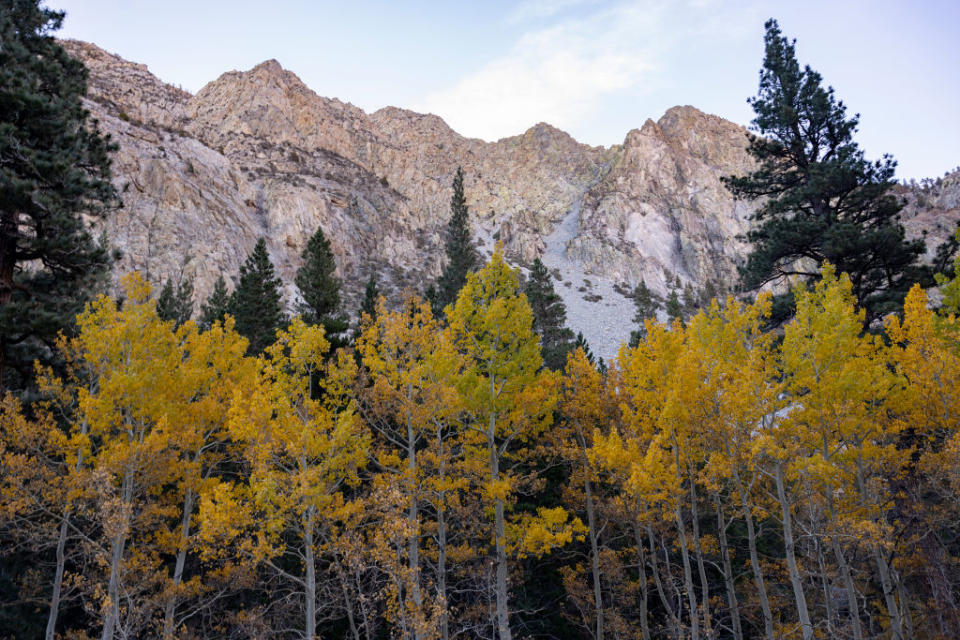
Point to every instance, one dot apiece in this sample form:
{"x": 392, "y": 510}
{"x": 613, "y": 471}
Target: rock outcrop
{"x": 258, "y": 153}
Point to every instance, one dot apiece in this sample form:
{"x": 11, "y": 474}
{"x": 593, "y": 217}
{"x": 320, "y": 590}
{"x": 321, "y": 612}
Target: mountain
{"x": 258, "y": 153}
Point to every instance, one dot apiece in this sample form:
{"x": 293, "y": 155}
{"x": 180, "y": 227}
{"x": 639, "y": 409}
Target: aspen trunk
{"x": 499, "y": 525}
{"x": 310, "y": 580}
{"x": 642, "y": 578}
{"x": 347, "y": 600}
{"x": 800, "y": 599}
{"x": 117, "y": 545}
{"x": 171, "y": 606}
{"x": 904, "y": 606}
{"x": 674, "y": 617}
{"x": 442, "y": 547}
{"x": 845, "y": 574}
{"x": 61, "y": 552}
{"x": 401, "y": 597}
{"x": 58, "y": 578}
{"x": 442, "y": 569}
{"x": 594, "y": 558}
{"x": 827, "y": 594}
{"x": 500, "y": 532}
{"x": 413, "y": 552}
{"x": 728, "y": 571}
{"x": 883, "y": 569}
{"x": 747, "y": 511}
{"x": 367, "y": 626}
{"x": 701, "y": 570}
{"x": 687, "y": 575}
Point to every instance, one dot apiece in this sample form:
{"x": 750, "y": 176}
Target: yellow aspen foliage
{"x": 926, "y": 354}
{"x": 509, "y": 396}
{"x": 304, "y": 445}
{"x": 838, "y": 381}
{"x": 211, "y": 370}
{"x": 411, "y": 403}
{"x": 835, "y": 376}
{"x": 37, "y": 484}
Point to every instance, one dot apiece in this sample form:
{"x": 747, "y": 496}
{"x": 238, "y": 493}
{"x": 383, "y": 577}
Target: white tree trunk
{"x": 806, "y": 628}
{"x": 169, "y": 615}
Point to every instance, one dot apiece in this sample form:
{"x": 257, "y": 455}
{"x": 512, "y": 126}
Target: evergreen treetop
{"x": 217, "y": 305}
{"x": 647, "y": 303}
{"x": 549, "y": 317}
{"x": 255, "y": 303}
{"x": 691, "y": 301}
{"x": 54, "y": 167}
{"x": 821, "y": 199}
{"x": 371, "y": 293}
{"x": 176, "y": 304}
{"x": 462, "y": 257}
{"x": 320, "y": 287}
{"x": 581, "y": 343}
{"x": 674, "y": 307}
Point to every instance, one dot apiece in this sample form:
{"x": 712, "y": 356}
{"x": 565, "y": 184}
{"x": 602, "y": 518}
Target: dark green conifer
{"x": 320, "y": 288}
{"x": 581, "y": 343}
{"x": 708, "y": 294}
{"x": 821, "y": 199}
{"x": 255, "y": 303}
{"x": 549, "y": 317}
{"x": 217, "y": 306}
{"x": 647, "y": 303}
{"x": 54, "y": 168}
{"x": 674, "y": 307}
{"x": 690, "y": 301}
{"x": 462, "y": 257}
{"x": 370, "y": 296}
{"x": 176, "y": 304}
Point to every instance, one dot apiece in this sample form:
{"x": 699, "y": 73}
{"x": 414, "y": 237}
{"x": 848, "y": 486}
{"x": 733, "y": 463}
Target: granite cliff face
{"x": 257, "y": 153}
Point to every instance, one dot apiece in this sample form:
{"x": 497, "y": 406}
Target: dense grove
{"x": 460, "y": 467}
{"x": 434, "y": 480}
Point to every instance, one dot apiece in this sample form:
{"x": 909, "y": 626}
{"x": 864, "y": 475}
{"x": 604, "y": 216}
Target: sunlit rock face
{"x": 257, "y": 153}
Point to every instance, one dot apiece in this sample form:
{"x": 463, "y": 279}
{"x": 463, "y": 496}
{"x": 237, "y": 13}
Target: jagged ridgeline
{"x": 257, "y": 153}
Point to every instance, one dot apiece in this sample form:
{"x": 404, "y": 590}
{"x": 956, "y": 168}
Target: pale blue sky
{"x": 594, "y": 68}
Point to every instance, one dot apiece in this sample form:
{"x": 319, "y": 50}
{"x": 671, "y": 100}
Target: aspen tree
{"x": 835, "y": 378}
{"x": 740, "y": 390}
{"x": 41, "y": 491}
{"x": 511, "y": 402}
{"x": 584, "y": 405}
{"x": 405, "y": 403}
{"x": 303, "y": 453}
{"x": 925, "y": 353}
{"x": 121, "y": 427}
{"x": 211, "y": 370}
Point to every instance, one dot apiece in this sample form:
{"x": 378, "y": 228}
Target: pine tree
{"x": 176, "y": 304}
{"x": 549, "y": 317}
{"x": 255, "y": 302}
{"x": 462, "y": 257}
{"x": 217, "y": 306}
{"x": 581, "y": 343}
{"x": 370, "y": 296}
{"x": 54, "y": 168}
{"x": 821, "y": 199}
{"x": 708, "y": 294}
{"x": 320, "y": 288}
{"x": 647, "y": 304}
{"x": 690, "y": 301}
{"x": 674, "y": 307}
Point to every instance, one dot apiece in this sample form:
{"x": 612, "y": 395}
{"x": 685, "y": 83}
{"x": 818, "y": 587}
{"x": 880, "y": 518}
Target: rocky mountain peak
{"x": 258, "y": 153}
{"x": 270, "y": 67}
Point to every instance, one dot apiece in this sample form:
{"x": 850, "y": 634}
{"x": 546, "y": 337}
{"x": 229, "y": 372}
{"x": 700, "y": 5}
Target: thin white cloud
{"x": 556, "y": 74}
{"x": 540, "y": 9}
